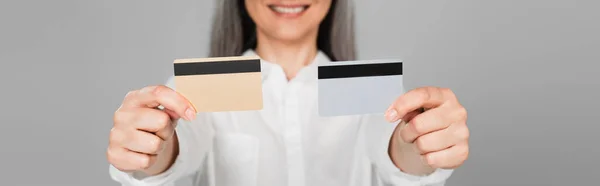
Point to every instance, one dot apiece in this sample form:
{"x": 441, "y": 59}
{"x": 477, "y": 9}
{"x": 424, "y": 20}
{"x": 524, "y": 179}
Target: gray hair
{"x": 233, "y": 31}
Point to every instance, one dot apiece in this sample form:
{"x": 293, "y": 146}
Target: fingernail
{"x": 391, "y": 115}
{"x": 190, "y": 114}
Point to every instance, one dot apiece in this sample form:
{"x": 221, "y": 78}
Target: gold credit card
{"x": 221, "y": 83}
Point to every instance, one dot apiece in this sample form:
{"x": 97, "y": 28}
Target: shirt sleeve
{"x": 194, "y": 144}
{"x": 378, "y": 133}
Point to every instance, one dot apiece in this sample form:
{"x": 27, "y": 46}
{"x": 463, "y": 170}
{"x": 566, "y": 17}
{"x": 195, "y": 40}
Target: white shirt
{"x": 285, "y": 144}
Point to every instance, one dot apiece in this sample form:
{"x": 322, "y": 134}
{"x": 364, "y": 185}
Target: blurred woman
{"x": 286, "y": 143}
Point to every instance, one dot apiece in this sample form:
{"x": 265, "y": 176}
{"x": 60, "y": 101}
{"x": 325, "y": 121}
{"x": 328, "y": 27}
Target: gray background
{"x": 526, "y": 70}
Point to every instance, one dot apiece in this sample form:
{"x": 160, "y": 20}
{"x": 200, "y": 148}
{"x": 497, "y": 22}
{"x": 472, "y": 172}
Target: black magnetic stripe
{"x": 362, "y": 70}
{"x": 218, "y": 67}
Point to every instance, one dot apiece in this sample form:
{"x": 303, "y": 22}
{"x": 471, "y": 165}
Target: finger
{"x": 436, "y": 141}
{"x": 153, "y": 121}
{"x": 172, "y": 114}
{"x": 116, "y": 137}
{"x": 450, "y": 158}
{"x": 154, "y": 96}
{"x": 143, "y": 142}
{"x": 427, "y": 122}
{"x": 136, "y": 141}
{"x": 128, "y": 161}
{"x": 454, "y": 113}
{"x": 409, "y": 116}
{"x": 427, "y": 97}
{"x": 168, "y": 132}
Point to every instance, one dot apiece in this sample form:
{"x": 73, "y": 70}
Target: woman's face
{"x": 288, "y": 20}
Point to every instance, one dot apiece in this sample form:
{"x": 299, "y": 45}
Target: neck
{"x": 292, "y": 56}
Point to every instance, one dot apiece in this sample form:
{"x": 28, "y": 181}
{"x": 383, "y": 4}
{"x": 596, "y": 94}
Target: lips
{"x": 289, "y": 9}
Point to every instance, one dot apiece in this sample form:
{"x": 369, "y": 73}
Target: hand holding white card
{"x": 358, "y": 87}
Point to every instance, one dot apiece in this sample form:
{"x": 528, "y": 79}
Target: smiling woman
{"x": 287, "y": 142}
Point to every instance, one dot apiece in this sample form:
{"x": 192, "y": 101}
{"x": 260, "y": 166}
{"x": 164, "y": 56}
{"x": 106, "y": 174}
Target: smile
{"x": 288, "y": 9}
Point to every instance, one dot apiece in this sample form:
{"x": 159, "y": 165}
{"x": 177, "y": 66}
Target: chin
{"x": 288, "y": 37}
{"x": 290, "y": 34}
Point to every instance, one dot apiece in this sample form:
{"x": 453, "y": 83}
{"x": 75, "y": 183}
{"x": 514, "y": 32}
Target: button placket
{"x": 293, "y": 137}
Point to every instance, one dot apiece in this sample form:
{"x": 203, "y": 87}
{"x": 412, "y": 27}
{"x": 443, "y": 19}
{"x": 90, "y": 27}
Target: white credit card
{"x": 358, "y": 87}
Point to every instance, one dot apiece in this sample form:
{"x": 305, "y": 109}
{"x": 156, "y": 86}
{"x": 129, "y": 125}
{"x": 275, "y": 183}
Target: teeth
{"x": 287, "y": 10}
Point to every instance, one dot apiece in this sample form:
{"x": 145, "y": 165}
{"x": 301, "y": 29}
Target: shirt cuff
{"x": 166, "y": 178}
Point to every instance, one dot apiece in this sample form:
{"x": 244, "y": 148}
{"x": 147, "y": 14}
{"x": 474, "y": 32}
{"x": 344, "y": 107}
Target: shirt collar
{"x": 309, "y": 72}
